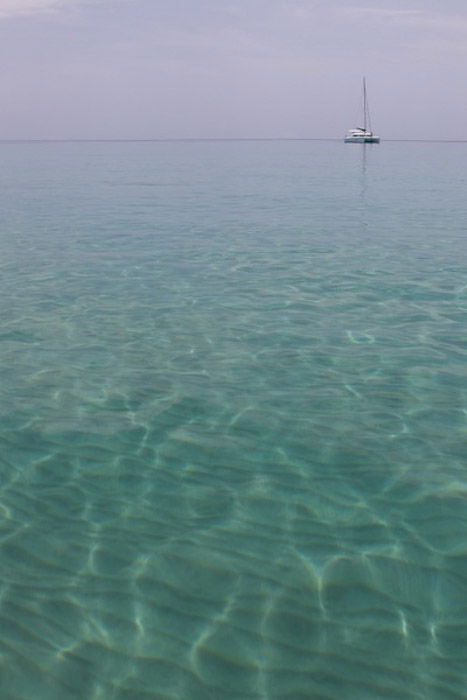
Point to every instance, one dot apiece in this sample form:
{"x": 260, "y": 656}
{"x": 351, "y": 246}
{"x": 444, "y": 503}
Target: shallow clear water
{"x": 233, "y": 420}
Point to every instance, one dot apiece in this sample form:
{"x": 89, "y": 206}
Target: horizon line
{"x": 215, "y": 139}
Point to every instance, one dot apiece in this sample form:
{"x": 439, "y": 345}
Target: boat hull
{"x": 361, "y": 139}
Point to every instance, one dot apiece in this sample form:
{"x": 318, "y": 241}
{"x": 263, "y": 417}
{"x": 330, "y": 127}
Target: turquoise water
{"x": 233, "y": 421}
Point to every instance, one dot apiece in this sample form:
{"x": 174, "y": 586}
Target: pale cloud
{"x": 426, "y": 31}
{"x": 416, "y": 17}
{"x": 15, "y": 8}
{"x": 18, "y": 8}
{"x": 384, "y": 12}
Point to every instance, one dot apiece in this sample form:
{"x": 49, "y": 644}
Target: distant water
{"x": 233, "y": 421}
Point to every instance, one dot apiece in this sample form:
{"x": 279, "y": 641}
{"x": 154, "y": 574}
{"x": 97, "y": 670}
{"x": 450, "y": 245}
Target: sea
{"x": 233, "y": 420}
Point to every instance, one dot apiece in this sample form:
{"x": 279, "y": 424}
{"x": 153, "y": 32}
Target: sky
{"x": 143, "y": 69}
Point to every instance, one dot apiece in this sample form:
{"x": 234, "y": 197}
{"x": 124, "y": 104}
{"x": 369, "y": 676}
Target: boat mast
{"x": 366, "y": 111}
{"x": 364, "y": 103}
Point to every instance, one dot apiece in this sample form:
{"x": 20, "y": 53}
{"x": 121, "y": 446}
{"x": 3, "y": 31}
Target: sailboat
{"x": 362, "y": 134}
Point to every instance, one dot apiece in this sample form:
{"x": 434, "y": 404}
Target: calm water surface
{"x": 233, "y": 421}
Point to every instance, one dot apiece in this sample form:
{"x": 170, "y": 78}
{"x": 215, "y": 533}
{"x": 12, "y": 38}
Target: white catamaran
{"x": 362, "y": 134}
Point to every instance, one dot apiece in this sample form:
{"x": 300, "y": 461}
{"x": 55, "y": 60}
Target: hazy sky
{"x": 231, "y": 68}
